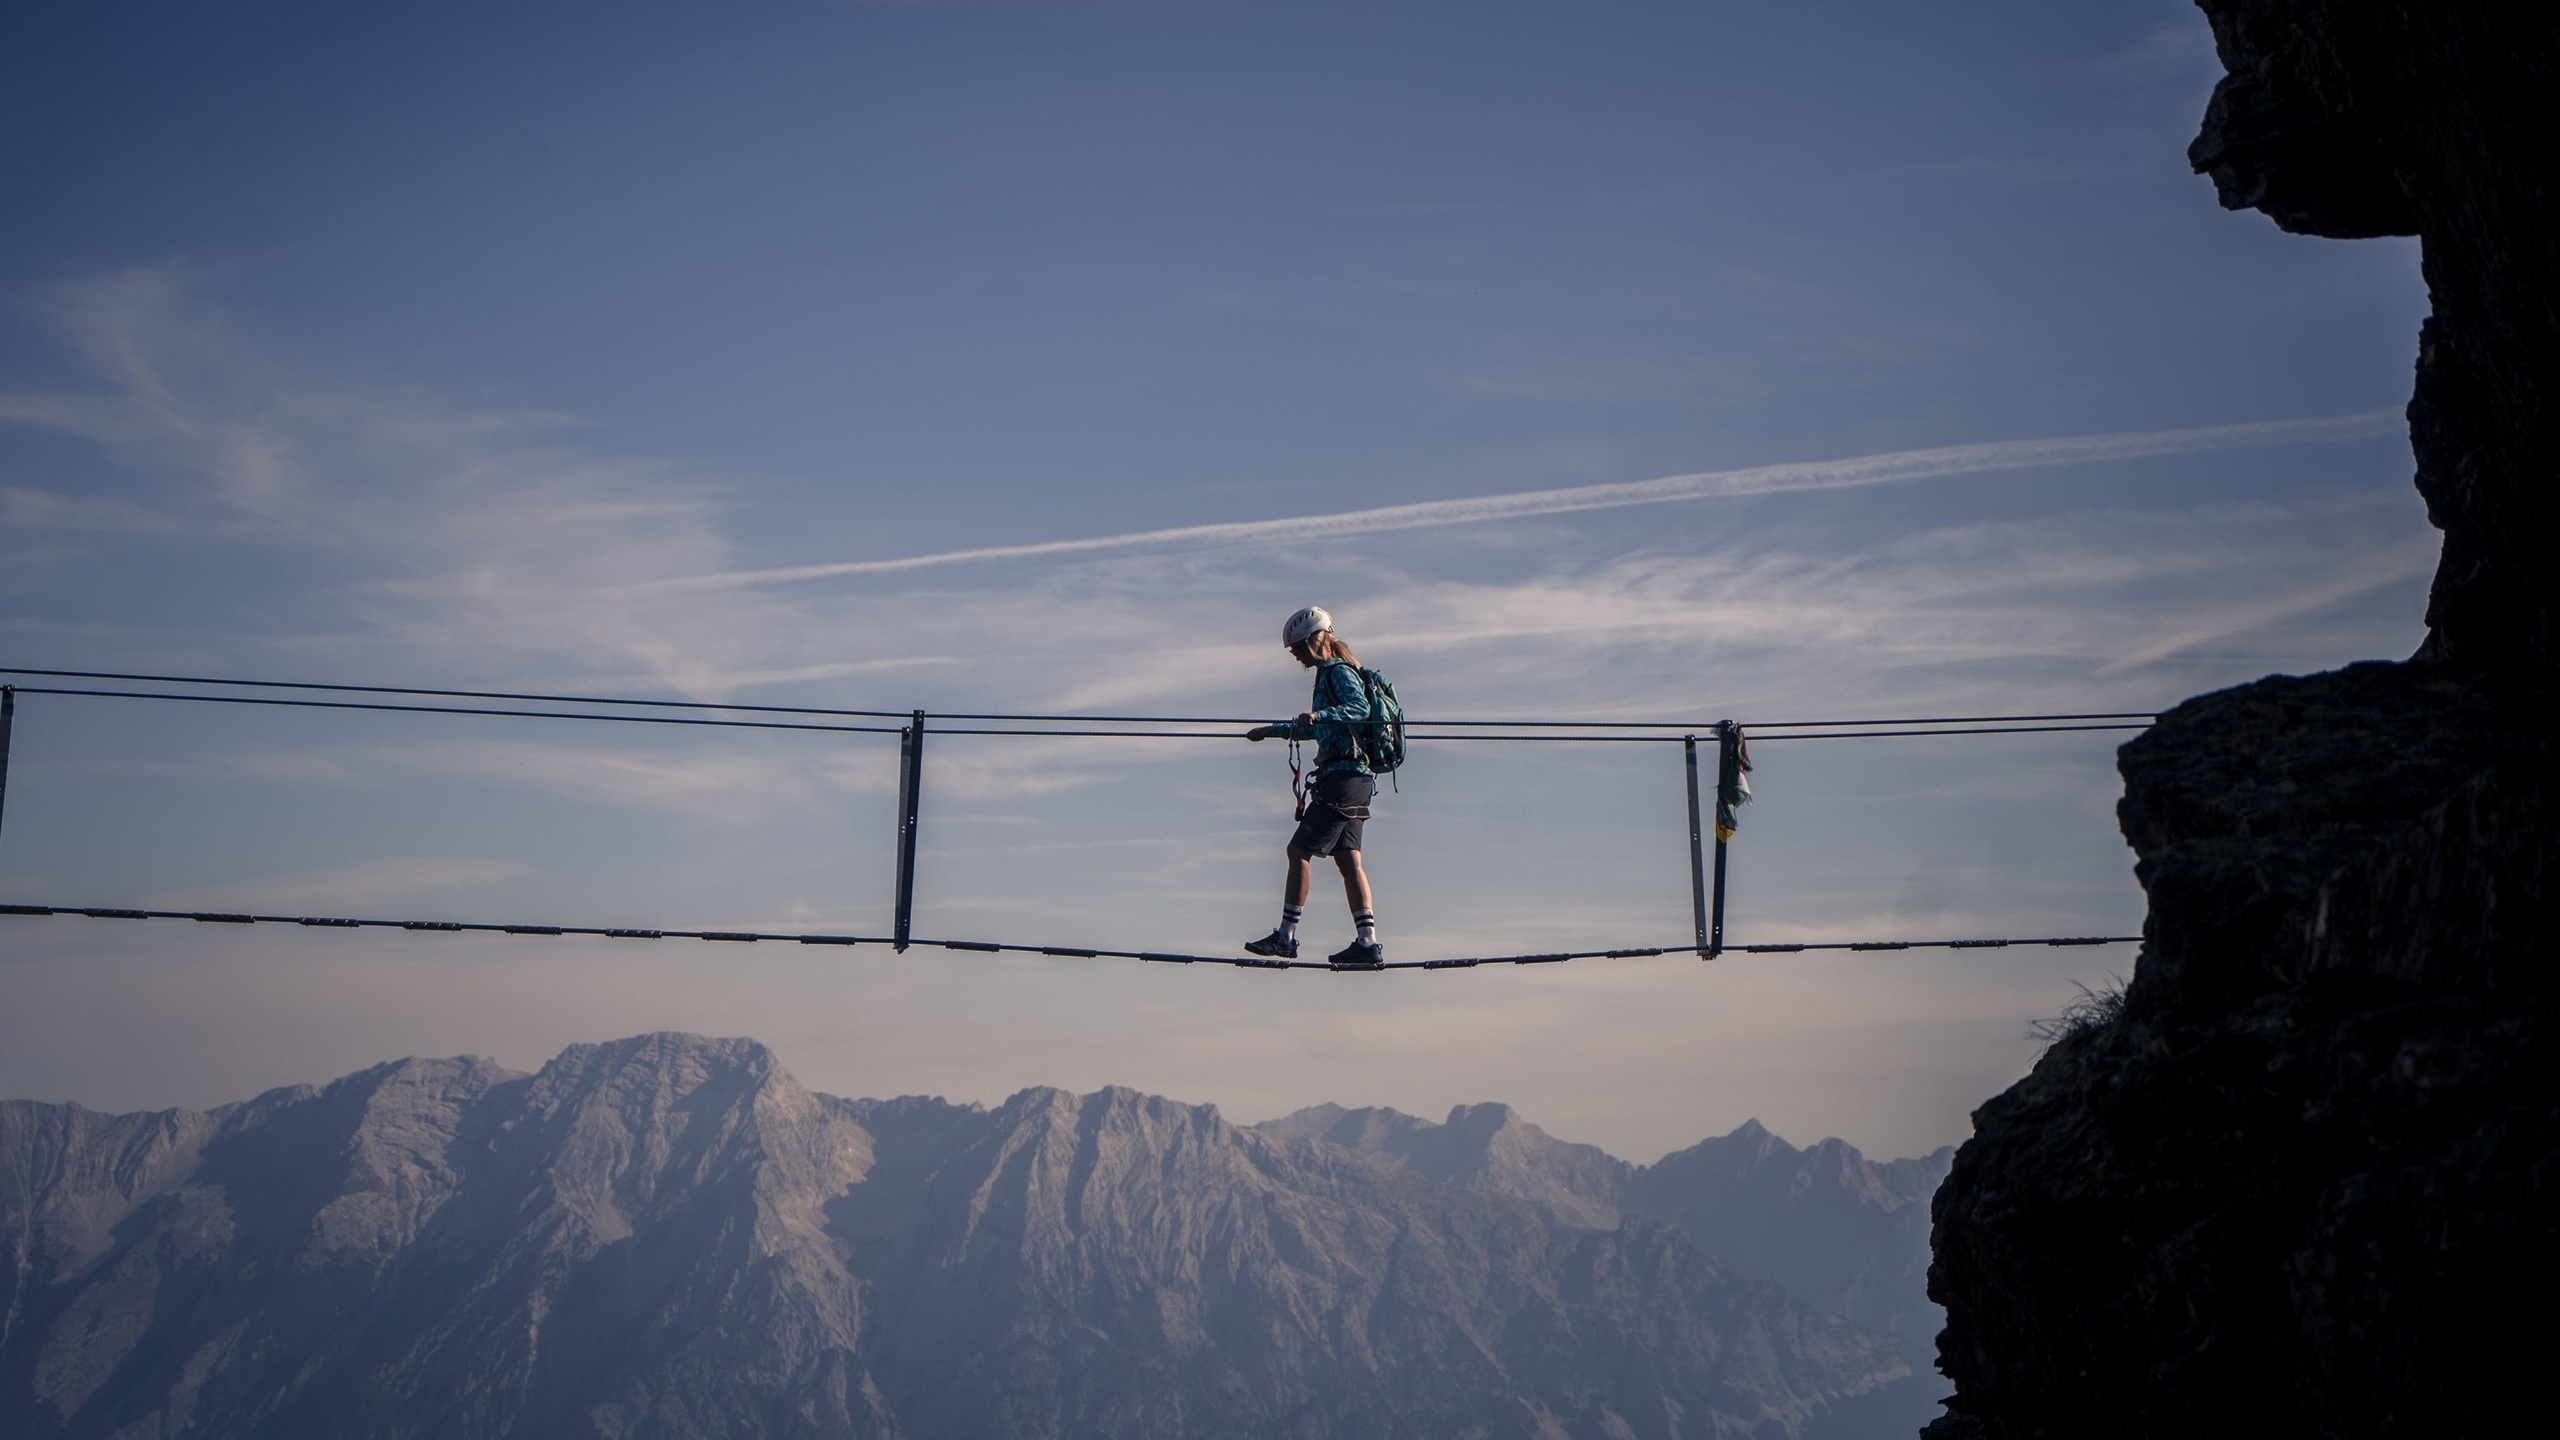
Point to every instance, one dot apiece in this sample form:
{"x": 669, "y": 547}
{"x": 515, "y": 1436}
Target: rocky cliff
{"x": 2293, "y": 1181}
{"x": 666, "y": 1236}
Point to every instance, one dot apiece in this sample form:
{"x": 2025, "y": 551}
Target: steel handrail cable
{"x": 1021, "y": 731}
{"x": 1232, "y": 735}
{"x": 448, "y": 694}
{"x": 1573, "y": 739}
{"x": 1026, "y": 718}
{"x": 1685, "y": 726}
{"x": 719, "y": 723}
{"x": 380, "y": 705}
{"x": 1985, "y": 730}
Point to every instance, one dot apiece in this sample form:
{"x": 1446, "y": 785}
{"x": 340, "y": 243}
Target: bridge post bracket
{"x": 910, "y": 792}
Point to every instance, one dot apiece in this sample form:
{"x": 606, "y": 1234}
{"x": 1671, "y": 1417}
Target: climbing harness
{"x": 1298, "y": 786}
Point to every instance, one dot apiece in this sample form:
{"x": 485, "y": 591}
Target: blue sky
{"x": 616, "y": 348}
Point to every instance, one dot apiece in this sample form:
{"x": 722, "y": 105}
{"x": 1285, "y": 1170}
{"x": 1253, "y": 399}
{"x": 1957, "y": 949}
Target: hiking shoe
{"x": 1357, "y": 956}
{"x": 1275, "y": 945}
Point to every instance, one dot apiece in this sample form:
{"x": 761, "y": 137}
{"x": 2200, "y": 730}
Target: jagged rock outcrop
{"x": 2355, "y": 118}
{"x": 2296, "y": 1180}
{"x": 666, "y": 1236}
{"x": 1836, "y": 1229}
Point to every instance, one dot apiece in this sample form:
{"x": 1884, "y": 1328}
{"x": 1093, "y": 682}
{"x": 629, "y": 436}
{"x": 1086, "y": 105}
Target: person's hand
{"x": 1307, "y": 717}
{"x": 1262, "y": 732}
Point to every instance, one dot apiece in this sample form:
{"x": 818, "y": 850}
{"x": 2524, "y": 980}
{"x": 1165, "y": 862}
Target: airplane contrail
{"x": 1857, "y": 470}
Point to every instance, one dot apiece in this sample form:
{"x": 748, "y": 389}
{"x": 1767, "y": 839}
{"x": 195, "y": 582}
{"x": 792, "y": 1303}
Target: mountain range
{"x": 667, "y": 1236}
{"x": 1839, "y": 1231}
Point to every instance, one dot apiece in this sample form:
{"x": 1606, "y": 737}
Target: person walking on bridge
{"x": 1337, "y": 801}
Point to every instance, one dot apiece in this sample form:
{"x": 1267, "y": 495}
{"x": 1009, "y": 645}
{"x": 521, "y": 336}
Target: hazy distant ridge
{"x": 667, "y": 1236}
{"x": 1840, "y": 1231}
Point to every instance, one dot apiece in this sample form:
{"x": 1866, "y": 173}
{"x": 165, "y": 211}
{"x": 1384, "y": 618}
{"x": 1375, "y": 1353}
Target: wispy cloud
{"x": 2049, "y": 609}
{"x": 2391, "y": 569}
{"x": 465, "y": 532}
{"x": 22, "y": 508}
{"x": 1882, "y": 469}
{"x": 482, "y": 541}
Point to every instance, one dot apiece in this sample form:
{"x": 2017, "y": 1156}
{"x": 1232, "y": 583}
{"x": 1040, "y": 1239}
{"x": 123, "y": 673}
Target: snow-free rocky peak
{"x": 668, "y": 1236}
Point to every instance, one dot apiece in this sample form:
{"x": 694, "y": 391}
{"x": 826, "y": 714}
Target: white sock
{"x": 1367, "y": 920}
{"x": 1289, "y": 916}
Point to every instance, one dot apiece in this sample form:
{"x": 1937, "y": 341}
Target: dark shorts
{"x": 1335, "y": 810}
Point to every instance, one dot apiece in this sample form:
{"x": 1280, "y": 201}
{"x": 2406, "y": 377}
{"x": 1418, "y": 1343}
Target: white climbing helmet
{"x": 1305, "y": 625}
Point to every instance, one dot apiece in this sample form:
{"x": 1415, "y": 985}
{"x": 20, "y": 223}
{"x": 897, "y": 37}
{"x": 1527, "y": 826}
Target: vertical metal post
{"x": 1728, "y": 776}
{"x": 8, "y": 720}
{"x": 1697, "y": 850}
{"x": 910, "y": 790}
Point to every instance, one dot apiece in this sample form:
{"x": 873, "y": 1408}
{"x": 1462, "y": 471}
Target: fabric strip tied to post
{"x": 1733, "y": 786}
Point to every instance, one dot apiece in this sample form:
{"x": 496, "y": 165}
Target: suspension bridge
{"x": 1724, "y": 740}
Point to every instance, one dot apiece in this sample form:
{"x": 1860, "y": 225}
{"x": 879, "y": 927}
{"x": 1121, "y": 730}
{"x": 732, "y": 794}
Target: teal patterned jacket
{"x": 1341, "y": 703}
